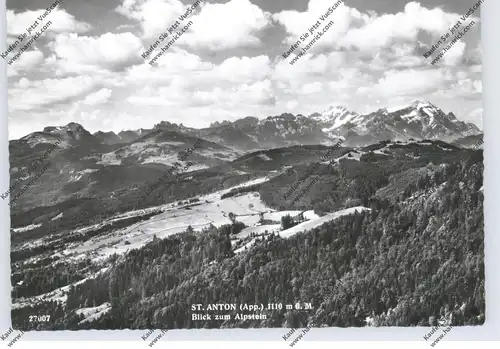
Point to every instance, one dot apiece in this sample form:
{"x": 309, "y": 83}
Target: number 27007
{"x": 39, "y": 318}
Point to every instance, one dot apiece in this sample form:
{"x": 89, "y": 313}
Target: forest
{"x": 416, "y": 256}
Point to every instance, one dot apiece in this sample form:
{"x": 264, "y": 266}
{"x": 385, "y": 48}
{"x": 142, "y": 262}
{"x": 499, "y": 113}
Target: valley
{"x": 92, "y": 251}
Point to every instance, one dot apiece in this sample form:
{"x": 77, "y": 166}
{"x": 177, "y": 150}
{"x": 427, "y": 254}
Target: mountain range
{"x": 418, "y": 120}
{"x": 86, "y": 164}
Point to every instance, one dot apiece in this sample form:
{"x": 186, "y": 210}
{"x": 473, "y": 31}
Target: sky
{"x": 87, "y": 66}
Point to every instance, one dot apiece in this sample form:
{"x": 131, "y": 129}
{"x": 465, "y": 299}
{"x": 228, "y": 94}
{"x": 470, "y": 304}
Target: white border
{"x": 490, "y": 14}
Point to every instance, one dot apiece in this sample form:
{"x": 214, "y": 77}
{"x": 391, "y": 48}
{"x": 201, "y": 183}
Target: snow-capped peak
{"x": 416, "y": 111}
{"x": 336, "y": 111}
{"x": 335, "y": 116}
{"x": 416, "y": 105}
{"x": 419, "y": 105}
{"x": 334, "y": 108}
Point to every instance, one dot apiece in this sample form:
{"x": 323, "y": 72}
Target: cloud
{"x": 215, "y": 27}
{"x": 108, "y": 51}
{"x": 473, "y": 57}
{"x": 174, "y": 94}
{"x": 478, "y": 86}
{"x": 454, "y": 55}
{"x": 466, "y": 87}
{"x": 297, "y": 23}
{"x": 26, "y": 62}
{"x": 410, "y": 82}
{"x": 225, "y": 26}
{"x": 403, "y": 55}
{"x": 154, "y": 16}
{"x": 171, "y": 63}
{"x": 476, "y": 116}
{"x": 368, "y": 33}
{"x": 365, "y": 61}
{"x": 180, "y": 94}
{"x": 307, "y": 69}
{"x": 98, "y": 97}
{"x": 292, "y": 104}
{"x": 62, "y": 21}
{"x": 312, "y": 88}
{"x": 258, "y": 93}
{"x": 242, "y": 69}
{"x": 199, "y": 74}
{"x": 28, "y": 95}
{"x": 384, "y": 31}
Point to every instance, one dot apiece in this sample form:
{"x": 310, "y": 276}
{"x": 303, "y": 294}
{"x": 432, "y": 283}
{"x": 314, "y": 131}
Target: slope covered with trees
{"x": 416, "y": 256}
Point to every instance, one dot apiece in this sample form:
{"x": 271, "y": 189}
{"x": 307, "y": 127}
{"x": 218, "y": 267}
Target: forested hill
{"x": 414, "y": 257}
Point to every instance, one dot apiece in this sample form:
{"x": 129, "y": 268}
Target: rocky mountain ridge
{"x": 418, "y": 120}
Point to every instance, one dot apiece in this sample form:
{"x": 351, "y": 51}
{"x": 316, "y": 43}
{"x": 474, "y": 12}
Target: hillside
{"x": 373, "y": 214}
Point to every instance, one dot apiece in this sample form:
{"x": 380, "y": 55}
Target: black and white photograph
{"x": 216, "y": 164}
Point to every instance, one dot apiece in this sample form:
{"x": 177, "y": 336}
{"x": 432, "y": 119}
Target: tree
{"x": 287, "y": 222}
{"x": 301, "y": 217}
